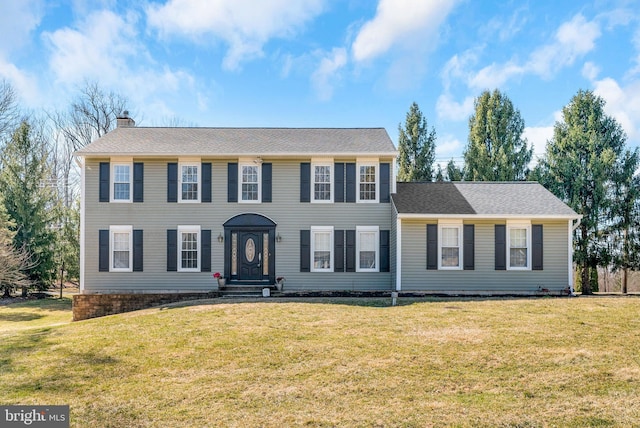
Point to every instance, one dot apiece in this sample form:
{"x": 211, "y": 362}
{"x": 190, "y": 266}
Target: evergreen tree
{"x": 13, "y": 262}
{"x": 25, "y": 180}
{"x": 496, "y": 149}
{"x": 417, "y": 147}
{"x": 581, "y": 167}
{"x": 454, "y": 173}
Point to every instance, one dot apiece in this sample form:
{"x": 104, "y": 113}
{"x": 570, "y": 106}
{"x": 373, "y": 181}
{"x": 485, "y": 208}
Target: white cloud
{"x": 572, "y": 40}
{"x": 448, "y": 108}
{"x": 538, "y": 137}
{"x": 245, "y": 25}
{"x": 494, "y": 76}
{"x": 98, "y": 48}
{"x": 325, "y": 76}
{"x": 447, "y": 147}
{"x": 17, "y": 20}
{"x": 590, "y": 71}
{"x": 623, "y": 103}
{"x": 457, "y": 68}
{"x": 411, "y": 24}
{"x": 22, "y": 82}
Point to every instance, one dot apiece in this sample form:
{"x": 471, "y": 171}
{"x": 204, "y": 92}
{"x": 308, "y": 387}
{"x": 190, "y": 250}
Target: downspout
{"x": 80, "y": 161}
{"x": 572, "y": 228}
{"x": 398, "y": 254}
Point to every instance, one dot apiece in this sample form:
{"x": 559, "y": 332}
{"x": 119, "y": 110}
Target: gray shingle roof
{"x": 430, "y": 198}
{"x": 482, "y": 198}
{"x": 139, "y": 141}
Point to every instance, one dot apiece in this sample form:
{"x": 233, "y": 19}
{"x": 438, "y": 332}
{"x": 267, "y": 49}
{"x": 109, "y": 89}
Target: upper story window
{"x": 367, "y": 245}
{"x": 250, "y": 183}
{"x": 189, "y": 184}
{"x": 121, "y": 244}
{"x": 519, "y": 239}
{"x": 322, "y": 183}
{"x": 450, "y": 248}
{"x": 189, "y": 249}
{"x": 121, "y": 182}
{"x": 367, "y": 182}
{"x": 322, "y": 249}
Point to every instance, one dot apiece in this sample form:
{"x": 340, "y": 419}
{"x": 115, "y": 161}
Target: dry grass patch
{"x": 341, "y": 362}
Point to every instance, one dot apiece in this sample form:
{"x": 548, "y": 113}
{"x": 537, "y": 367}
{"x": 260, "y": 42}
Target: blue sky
{"x": 328, "y": 63}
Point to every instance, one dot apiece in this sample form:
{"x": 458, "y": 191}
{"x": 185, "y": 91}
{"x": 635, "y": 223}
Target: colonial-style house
{"x": 165, "y": 208}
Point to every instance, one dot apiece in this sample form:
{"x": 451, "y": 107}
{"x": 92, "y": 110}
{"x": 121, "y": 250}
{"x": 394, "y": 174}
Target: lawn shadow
{"x": 20, "y": 316}
{"x": 46, "y": 304}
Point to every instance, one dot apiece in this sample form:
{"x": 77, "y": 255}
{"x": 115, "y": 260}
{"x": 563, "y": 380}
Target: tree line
{"x": 39, "y": 185}
{"x": 586, "y": 164}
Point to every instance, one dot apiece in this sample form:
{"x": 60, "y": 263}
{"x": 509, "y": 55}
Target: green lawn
{"x": 340, "y": 362}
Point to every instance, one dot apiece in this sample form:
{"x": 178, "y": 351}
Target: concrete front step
{"x": 252, "y": 292}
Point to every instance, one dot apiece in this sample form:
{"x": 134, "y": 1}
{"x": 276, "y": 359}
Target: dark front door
{"x": 250, "y": 250}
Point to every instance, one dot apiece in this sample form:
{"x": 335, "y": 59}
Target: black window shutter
{"x": 232, "y": 182}
{"x": 205, "y": 256}
{"x": 206, "y": 182}
{"x": 385, "y": 189}
{"x": 172, "y": 182}
{"x": 305, "y": 182}
{"x": 501, "y": 247}
{"x": 138, "y": 182}
{"x": 351, "y": 182}
{"x": 468, "y": 252}
{"x": 103, "y": 251}
{"x": 350, "y": 249}
{"x": 137, "y": 250}
{"x": 104, "y": 181}
{"x": 172, "y": 250}
{"x": 266, "y": 182}
{"x": 338, "y": 182}
{"x": 305, "y": 251}
{"x": 338, "y": 250}
{"x": 432, "y": 246}
{"x": 536, "y": 247}
{"x": 384, "y": 251}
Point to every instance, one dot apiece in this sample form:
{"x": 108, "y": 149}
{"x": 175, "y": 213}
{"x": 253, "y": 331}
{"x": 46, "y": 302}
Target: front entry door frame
{"x": 245, "y": 237}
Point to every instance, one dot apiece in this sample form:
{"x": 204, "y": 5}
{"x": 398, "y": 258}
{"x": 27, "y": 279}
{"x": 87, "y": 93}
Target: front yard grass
{"x": 339, "y": 362}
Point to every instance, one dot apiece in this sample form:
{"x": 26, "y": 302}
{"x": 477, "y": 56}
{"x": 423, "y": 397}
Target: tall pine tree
{"x": 417, "y": 147}
{"x": 29, "y": 200}
{"x": 583, "y": 164}
{"x": 496, "y": 149}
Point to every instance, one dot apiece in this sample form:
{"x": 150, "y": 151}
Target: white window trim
{"x": 189, "y": 229}
{"x": 359, "y": 164}
{"x": 452, "y": 223}
{"x": 198, "y": 165}
{"x": 331, "y": 166}
{"x": 112, "y": 176}
{"x": 252, "y": 163}
{"x": 359, "y": 230}
{"x": 322, "y": 229}
{"x": 120, "y": 229}
{"x": 520, "y": 224}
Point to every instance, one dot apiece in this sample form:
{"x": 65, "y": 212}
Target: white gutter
{"x": 398, "y": 254}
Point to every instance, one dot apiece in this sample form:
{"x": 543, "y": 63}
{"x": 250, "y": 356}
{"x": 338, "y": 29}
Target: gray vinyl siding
{"x": 155, "y": 215}
{"x": 484, "y": 279}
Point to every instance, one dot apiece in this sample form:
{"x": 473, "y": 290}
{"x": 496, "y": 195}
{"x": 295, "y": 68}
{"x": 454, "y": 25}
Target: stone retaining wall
{"x": 87, "y": 306}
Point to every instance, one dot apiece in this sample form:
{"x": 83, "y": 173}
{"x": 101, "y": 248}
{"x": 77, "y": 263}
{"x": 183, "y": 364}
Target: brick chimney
{"x": 124, "y": 121}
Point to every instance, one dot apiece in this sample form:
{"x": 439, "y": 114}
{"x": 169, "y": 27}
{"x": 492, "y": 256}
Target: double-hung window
{"x": 519, "y": 241}
{"x": 367, "y": 244}
{"x": 322, "y": 182}
{"x": 250, "y": 183}
{"x": 188, "y": 248}
{"x": 450, "y": 248}
{"x": 121, "y": 245}
{"x": 189, "y": 184}
{"x": 367, "y": 182}
{"x": 322, "y": 249}
{"x": 121, "y": 182}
